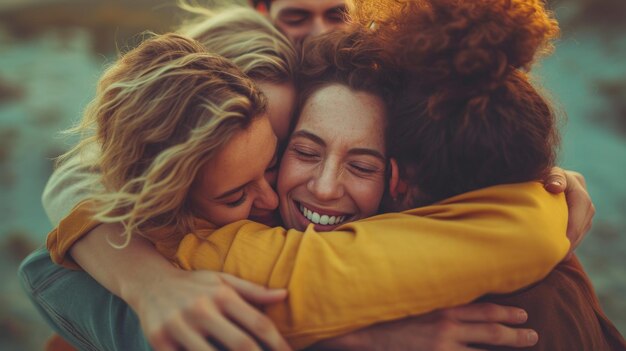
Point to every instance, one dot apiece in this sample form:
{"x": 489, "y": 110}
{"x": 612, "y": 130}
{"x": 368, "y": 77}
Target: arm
{"x": 169, "y": 302}
{"x": 451, "y": 329}
{"x": 166, "y": 299}
{"x": 391, "y": 266}
{"x": 444, "y": 330}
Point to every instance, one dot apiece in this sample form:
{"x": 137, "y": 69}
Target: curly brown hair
{"x": 349, "y": 57}
{"x": 470, "y": 117}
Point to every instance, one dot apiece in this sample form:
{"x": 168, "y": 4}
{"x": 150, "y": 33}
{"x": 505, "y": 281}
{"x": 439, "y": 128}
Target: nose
{"x": 267, "y": 199}
{"x": 271, "y": 176}
{"x": 325, "y": 185}
{"x": 320, "y": 26}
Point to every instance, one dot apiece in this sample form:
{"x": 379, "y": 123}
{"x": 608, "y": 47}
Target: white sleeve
{"x": 74, "y": 181}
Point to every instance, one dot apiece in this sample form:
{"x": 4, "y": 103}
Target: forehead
{"x": 309, "y": 5}
{"x": 281, "y": 100}
{"x": 336, "y": 112}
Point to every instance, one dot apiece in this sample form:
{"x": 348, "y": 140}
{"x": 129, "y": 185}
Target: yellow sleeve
{"x": 493, "y": 240}
{"x": 70, "y": 229}
{"x": 80, "y": 222}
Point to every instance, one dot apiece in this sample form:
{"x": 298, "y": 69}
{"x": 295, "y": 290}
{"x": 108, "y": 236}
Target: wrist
{"x": 356, "y": 340}
{"x": 134, "y": 287}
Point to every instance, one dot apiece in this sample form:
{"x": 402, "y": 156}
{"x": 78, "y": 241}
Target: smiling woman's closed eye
{"x": 362, "y": 161}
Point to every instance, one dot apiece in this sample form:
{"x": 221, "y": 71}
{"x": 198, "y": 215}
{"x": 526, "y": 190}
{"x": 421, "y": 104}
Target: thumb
{"x": 555, "y": 182}
{"x": 254, "y": 293}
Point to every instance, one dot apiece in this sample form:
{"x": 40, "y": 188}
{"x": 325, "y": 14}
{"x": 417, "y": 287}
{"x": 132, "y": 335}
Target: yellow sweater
{"x": 493, "y": 240}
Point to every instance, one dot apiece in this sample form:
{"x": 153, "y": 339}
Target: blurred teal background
{"x": 53, "y": 51}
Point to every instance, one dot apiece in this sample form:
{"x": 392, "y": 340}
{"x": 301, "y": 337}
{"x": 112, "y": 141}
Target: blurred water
{"x": 46, "y": 81}
{"x": 573, "y": 75}
{"x": 58, "y": 75}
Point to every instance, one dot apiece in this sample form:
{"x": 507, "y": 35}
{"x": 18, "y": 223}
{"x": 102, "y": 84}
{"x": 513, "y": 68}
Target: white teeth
{"x": 324, "y": 220}
{"x": 321, "y": 219}
{"x": 315, "y": 218}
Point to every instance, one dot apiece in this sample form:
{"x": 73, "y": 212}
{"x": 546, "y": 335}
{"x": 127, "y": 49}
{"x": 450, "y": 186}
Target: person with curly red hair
{"x": 473, "y": 118}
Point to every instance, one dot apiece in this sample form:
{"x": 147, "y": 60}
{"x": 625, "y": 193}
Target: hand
{"x": 580, "y": 207}
{"x": 191, "y": 310}
{"x": 451, "y": 329}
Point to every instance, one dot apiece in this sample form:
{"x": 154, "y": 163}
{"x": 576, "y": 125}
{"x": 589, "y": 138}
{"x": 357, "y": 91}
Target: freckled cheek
{"x": 293, "y": 173}
{"x": 367, "y": 195}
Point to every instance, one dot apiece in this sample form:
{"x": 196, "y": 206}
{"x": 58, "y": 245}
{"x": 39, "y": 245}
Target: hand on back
{"x": 451, "y": 329}
{"x": 204, "y": 310}
{"x": 580, "y": 207}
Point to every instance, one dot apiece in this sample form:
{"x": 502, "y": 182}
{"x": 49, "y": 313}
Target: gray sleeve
{"x": 82, "y": 311}
{"x": 74, "y": 181}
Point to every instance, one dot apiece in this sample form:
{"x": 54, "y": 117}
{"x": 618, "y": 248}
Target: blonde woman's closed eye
{"x": 239, "y": 201}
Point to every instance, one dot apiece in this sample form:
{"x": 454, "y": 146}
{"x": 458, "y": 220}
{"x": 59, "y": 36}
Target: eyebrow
{"x": 306, "y": 134}
{"x": 370, "y": 152}
{"x": 291, "y": 11}
{"x": 356, "y": 151}
{"x": 340, "y": 8}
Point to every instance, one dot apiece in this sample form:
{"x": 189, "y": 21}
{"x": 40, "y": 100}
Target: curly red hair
{"x": 471, "y": 117}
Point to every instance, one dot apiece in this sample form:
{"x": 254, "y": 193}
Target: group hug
{"x": 322, "y": 175}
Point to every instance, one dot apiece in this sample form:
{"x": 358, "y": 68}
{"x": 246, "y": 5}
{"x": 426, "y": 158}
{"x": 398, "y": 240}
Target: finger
{"x": 488, "y": 312}
{"x": 556, "y": 181}
{"x": 580, "y": 212}
{"x": 189, "y": 337}
{"x": 160, "y": 342}
{"x": 225, "y": 332}
{"x": 579, "y": 178}
{"x": 261, "y": 327}
{"x": 496, "y": 334}
{"x": 254, "y": 293}
{"x": 466, "y": 348}
{"x": 577, "y": 239}
{"x": 587, "y": 226}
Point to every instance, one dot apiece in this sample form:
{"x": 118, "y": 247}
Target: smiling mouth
{"x": 320, "y": 218}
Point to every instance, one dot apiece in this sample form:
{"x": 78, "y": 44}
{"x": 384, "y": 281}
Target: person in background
{"x": 298, "y": 19}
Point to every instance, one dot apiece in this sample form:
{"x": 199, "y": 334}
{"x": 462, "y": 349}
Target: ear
{"x": 396, "y": 185}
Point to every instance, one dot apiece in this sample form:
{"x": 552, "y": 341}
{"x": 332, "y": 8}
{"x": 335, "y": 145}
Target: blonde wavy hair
{"x": 160, "y": 112}
{"x": 245, "y": 37}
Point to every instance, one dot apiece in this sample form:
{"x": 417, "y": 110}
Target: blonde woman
{"x": 263, "y": 54}
{"x": 259, "y": 50}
